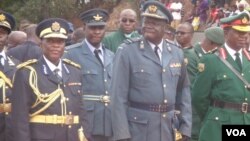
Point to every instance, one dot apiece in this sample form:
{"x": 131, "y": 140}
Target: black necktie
{"x": 56, "y": 73}
{"x": 156, "y": 51}
{"x": 237, "y": 60}
{"x": 96, "y": 52}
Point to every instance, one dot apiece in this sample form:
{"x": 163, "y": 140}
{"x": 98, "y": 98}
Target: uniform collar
{"x": 92, "y": 48}
{"x": 52, "y": 67}
{"x": 159, "y": 45}
{"x": 232, "y": 52}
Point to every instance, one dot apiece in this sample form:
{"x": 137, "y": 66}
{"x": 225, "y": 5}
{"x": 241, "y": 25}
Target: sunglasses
{"x": 181, "y": 33}
{"x": 128, "y": 20}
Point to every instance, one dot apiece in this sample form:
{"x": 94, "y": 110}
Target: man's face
{"x": 3, "y": 37}
{"x": 94, "y": 34}
{"x": 183, "y": 35}
{"x": 127, "y": 22}
{"x": 53, "y": 48}
{"x": 153, "y": 29}
{"x": 236, "y": 39}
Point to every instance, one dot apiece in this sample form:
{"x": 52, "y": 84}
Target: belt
{"x": 152, "y": 107}
{"x": 55, "y": 119}
{"x": 5, "y": 107}
{"x": 101, "y": 98}
{"x": 243, "y": 107}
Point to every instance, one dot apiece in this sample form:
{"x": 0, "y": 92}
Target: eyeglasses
{"x": 129, "y": 20}
{"x": 181, "y": 33}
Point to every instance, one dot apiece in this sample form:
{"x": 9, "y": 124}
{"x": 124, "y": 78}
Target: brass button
{"x": 164, "y": 85}
{"x": 105, "y": 80}
{"x": 7, "y": 99}
{"x": 246, "y": 99}
{"x": 69, "y": 126}
{"x": 164, "y": 115}
{"x": 70, "y": 113}
{"x": 242, "y": 74}
{"x": 142, "y": 70}
{"x": 106, "y": 104}
{"x": 163, "y": 70}
{"x": 216, "y": 118}
{"x": 224, "y": 76}
{"x": 106, "y": 92}
{"x": 135, "y": 118}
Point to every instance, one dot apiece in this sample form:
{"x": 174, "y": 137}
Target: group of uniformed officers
{"x": 142, "y": 93}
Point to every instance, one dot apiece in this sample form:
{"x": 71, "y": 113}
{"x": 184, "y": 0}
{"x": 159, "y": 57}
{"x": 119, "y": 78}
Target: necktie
{"x": 96, "y": 52}
{"x": 56, "y": 73}
{"x": 156, "y": 51}
{"x": 237, "y": 60}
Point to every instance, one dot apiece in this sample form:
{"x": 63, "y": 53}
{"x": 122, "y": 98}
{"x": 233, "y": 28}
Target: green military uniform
{"x": 113, "y": 40}
{"x": 219, "y": 97}
{"x": 215, "y": 35}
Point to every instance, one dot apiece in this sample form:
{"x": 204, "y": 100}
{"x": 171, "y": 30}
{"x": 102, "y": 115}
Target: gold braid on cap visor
{"x": 48, "y": 31}
{"x": 5, "y": 24}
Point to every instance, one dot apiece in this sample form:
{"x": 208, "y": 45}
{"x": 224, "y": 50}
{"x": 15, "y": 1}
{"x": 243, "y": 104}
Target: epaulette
{"x": 132, "y": 40}
{"x": 26, "y": 63}
{"x": 174, "y": 44}
{"x": 73, "y": 46}
{"x": 72, "y": 63}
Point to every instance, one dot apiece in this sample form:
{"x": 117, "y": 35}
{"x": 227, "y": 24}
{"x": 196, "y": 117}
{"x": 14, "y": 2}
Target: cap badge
{"x": 55, "y": 26}
{"x": 244, "y": 20}
{"x": 2, "y": 17}
{"x": 97, "y": 17}
{"x": 152, "y": 9}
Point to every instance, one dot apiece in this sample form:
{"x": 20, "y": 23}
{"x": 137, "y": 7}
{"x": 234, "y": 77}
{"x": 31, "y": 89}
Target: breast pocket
{"x": 224, "y": 79}
{"x": 90, "y": 76}
{"x": 75, "y": 88}
{"x": 141, "y": 76}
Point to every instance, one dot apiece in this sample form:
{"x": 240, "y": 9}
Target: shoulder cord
{"x": 3, "y": 81}
{"x": 45, "y": 98}
{"x": 2, "y": 85}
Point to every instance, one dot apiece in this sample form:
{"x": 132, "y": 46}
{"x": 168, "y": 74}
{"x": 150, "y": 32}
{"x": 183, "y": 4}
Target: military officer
{"x": 7, "y": 70}
{"x": 150, "y": 87}
{"x": 214, "y": 38}
{"x": 47, "y": 92}
{"x": 219, "y": 94}
{"x": 96, "y": 61}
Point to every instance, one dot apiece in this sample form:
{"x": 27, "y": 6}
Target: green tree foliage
{"x": 37, "y": 10}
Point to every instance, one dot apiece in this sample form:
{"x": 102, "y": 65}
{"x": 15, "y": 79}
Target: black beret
{"x": 53, "y": 28}
{"x": 95, "y": 17}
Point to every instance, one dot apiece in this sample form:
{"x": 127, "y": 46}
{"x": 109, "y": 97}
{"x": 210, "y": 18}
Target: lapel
{"x": 44, "y": 68}
{"x": 8, "y": 65}
{"x": 198, "y": 50}
{"x": 148, "y": 52}
{"x": 230, "y": 59}
{"x": 107, "y": 57}
{"x": 89, "y": 55}
{"x": 245, "y": 63}
{"x": 65, "y": 72}
{"x": 166, "y": 54}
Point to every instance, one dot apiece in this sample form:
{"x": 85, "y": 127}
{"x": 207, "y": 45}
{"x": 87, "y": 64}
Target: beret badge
{"x": 97, "y": 17}
{"x": 2, "y": 17}
{"x": 55, "y": 26}
{"x": 244, "y": 20}
{"x": 152, "y": 9}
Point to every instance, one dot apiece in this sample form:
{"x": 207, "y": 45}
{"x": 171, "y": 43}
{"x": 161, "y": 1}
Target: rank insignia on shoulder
{"x": 201, "y": 67}
{"x": 175, "y": 65}
{"x": 185, "y": 61}
{"x": 26, "y": 63}
{"x": 71, "y": 63}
